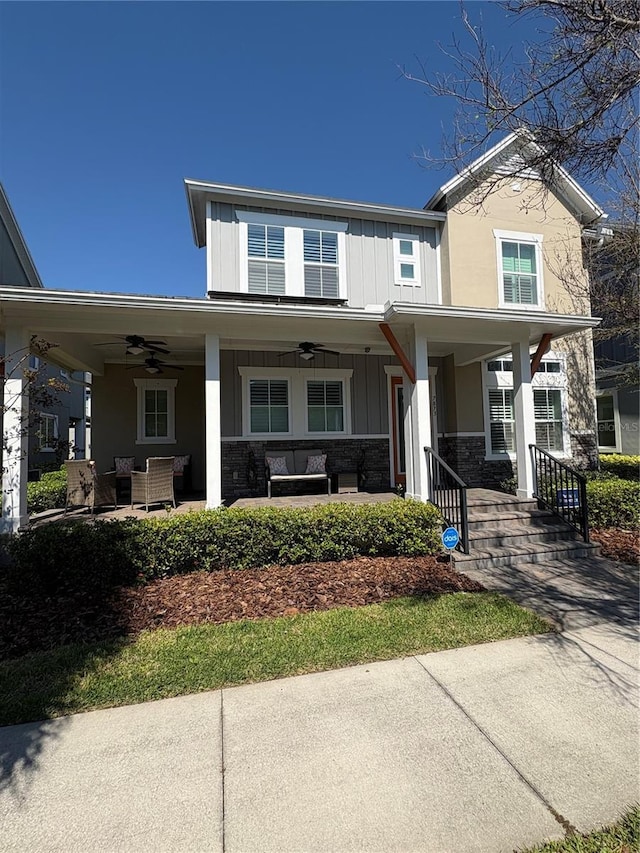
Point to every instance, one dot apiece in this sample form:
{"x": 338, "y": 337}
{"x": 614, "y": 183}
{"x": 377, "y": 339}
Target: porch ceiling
{"x": 78, "y": 321}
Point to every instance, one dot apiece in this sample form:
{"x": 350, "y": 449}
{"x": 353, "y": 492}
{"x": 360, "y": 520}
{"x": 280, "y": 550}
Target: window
{"x": 292, "y": 255}
{"x": 406, "y": 259}
{"x": 156, "y": 411}
{"x": 321, "y": 264}
{"x": 547, "y": 406}
{"x": 519, "y": 268}
{"x": 606, "y": 418}
{"x": 502, "y": 420}
{"x": 325, "y": 406}
{"x": 295, "y": 401}
{"x": 47, "y": 431}
{"x": 266, "y": 241}
{"x": 269, "y": 405}
{"x": 549, "y": 384}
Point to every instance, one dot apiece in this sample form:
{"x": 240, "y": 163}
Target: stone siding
{"x": 243, "y": 467}
{"x": 465, "y": 454}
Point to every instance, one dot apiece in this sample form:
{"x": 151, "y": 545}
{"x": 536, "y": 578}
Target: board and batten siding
{"x": 369, "y": 395}
{"x": 369, "y": 256}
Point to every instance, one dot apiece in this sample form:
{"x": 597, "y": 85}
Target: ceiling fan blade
{"x": 320, "y": 348}
{"x": 172, "y": 366}
{"x": 291, "y": 352}
{"x": 152, "y": 348}
{"x": 147, "y": 343}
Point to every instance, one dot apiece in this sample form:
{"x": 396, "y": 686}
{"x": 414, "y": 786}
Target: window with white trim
{"x": 325, "y": 405}
{"x": 549, "y": 384}
{"x": 606, "y": 421}
{"x": 547, "y": 407}
{"x": 298, "y": 402}
{"x": 519, "y": 268}
{"x": 47, "y": 431}
{"x": 406, "y": 259}
{"x": 292, "y": 255}
{"x": 269, "y": 405}
{"x": 321, "y": 271}
{"x": 265, "y": 250}
{"x": 156, "y": 411}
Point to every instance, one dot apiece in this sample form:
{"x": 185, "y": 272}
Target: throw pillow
{"x": 277, "y": 466}
{"x": 124, "y": 465}
{"x": 317, "y": 464}
{"x": 179, "y": 463}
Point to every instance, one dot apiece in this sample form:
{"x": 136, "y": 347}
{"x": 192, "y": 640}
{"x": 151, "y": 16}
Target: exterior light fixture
{"x": 152, "y": 369}
{"x": 133, "y": 350}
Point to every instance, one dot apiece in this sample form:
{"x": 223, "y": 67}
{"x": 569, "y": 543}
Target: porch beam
{"x": 394, "y": 343}
{"x": 524, "y": 416}
{"x": 15, "y": 438}
{"x": 213, "y": 431}
{"x": 543, "y": 346}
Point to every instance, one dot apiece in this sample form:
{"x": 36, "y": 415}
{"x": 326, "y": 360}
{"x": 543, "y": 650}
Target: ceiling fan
{"x": 154, "y": 365}
{"x": 308, "y": 350}
{"x": 136, "y": 345}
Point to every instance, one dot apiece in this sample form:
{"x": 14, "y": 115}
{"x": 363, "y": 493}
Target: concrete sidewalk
{"x": 485, "y": 748}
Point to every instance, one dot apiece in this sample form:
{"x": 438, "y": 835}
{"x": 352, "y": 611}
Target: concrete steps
{"x": 508, "y": 531}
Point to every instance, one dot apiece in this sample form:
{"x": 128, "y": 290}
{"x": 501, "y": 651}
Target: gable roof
{"x": 17, "y": 244}
{"x": 577, "y": 198}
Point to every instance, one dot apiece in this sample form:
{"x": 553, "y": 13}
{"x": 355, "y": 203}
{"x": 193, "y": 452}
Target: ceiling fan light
{"x": 151, "y": 368}
{"x": 134, "y": 350}
{"x": 306, "y": 355}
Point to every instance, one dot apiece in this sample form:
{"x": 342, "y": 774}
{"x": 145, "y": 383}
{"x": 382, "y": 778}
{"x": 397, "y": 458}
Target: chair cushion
{"x": 124, "y": 465}
{"x": 180, "y": 463}
{"x": 277, "y": 465}
{"x": 317, "y": 464}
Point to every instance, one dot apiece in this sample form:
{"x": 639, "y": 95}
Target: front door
{"x": 397, "y": 416}
{"x": 399, "y": 474}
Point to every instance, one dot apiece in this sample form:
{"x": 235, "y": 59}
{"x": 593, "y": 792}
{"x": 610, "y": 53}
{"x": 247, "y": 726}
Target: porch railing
{"x": 449, "y": 493}
{"x": 560, "y": 489}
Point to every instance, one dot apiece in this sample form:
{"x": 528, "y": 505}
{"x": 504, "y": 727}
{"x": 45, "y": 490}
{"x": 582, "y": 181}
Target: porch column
{"x": 418, "y": 421}
{"x": 212, "y": 421}
{"x": 15, "y": 439}
{"x": 524, "y": 416}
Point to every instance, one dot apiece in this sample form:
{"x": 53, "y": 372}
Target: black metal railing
{"x": 560, "y": 489}
{"x": 449, "y": 493}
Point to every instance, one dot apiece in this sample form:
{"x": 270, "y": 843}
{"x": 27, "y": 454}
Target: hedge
{"x": 614, "y": 503}
{"x": 72, "y": 554}
{"x": 50, "y": 492}
{"x": 625, "y": 467}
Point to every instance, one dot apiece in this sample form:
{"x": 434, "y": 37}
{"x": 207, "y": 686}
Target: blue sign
{"x": 450, "y": 538}
{"x": 568, "y": 498}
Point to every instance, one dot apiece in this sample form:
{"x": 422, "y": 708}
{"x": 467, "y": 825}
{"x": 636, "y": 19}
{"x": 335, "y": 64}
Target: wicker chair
{"x": 85, "y": 487}
{"x": 155, "y": 485}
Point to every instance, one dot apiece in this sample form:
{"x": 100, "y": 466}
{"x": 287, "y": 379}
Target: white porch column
{"x": 212, "y": 421}
{"x": 15, "y": 439}
{"x": 524, "y": 416}
{"x": 418, "y": 435}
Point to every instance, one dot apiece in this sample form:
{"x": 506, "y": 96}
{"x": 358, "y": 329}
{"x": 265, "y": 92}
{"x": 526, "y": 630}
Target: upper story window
{"x": 406, "y": 259}
{"x": 268, "y": 275}
{"x": 156, "y": 411}
{"x": 292, "y": 256}
{"x": 519, "y": 269}
{"x": 321, "y": 271}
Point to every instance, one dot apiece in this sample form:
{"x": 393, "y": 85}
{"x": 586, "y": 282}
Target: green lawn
{"x": 164, "y": 663}
{"x": 622, "y": 837}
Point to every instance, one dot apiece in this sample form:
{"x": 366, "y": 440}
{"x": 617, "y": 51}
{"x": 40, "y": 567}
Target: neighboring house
{"x": 365, "y": 330}
{"x": 617, "y": 399}
{"x": 62, "y": 420}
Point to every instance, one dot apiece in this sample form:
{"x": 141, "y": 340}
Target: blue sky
{"x": 106, "y": 107}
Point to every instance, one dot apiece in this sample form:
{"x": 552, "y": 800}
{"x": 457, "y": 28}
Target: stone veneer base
{"x": 243, "y": 467}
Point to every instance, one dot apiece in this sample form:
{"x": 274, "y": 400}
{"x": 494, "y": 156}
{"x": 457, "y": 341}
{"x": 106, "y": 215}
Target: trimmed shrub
{"x": 614, "y": 503}
{"x": 72, "y": 555}
{"x": 625, "y": 467}
{"x": 50, "y": 492}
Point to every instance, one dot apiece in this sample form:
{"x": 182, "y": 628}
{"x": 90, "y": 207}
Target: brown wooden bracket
{"x": 543, "y": 346}
{"x": 408, "y": 368}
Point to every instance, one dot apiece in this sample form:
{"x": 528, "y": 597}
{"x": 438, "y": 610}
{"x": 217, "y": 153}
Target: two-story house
{"x": 365, "y": 330}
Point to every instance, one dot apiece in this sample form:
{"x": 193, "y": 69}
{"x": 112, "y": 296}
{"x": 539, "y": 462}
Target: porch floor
{"x": 193, "y": 504}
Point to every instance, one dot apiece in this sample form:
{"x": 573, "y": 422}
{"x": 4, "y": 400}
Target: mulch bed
{"x": 620, "y": 545}
{"x": 225, "y": 596}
